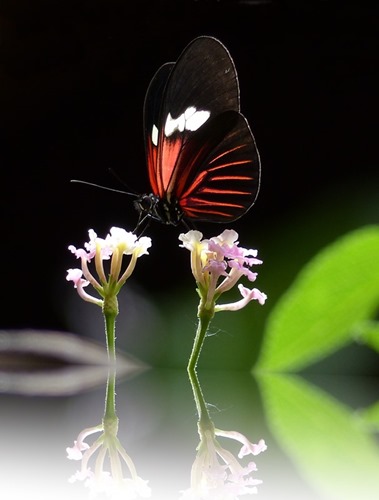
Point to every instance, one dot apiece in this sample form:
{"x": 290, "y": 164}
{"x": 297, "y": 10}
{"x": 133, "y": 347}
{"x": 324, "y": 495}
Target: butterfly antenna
{"x": 104, "y": 187}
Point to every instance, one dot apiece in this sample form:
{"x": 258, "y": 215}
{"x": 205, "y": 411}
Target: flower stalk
{"x": 110, "y": 312}
{"x": 217, "y": 265}
{"x": 205, "y": 315}
{"x": 107, "y": 284}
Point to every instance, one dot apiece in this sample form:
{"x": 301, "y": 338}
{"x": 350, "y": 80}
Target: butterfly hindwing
{"x": 219, "y": 170}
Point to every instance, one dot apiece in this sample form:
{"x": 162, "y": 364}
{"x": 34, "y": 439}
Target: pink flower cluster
{"x": 221, "y": 258}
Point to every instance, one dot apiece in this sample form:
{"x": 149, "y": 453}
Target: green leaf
{"x": 370, "y": 417}
{"x": 368, "y": 333}
{"x": 325, "y": 440}
{"x": 333, "y": 293}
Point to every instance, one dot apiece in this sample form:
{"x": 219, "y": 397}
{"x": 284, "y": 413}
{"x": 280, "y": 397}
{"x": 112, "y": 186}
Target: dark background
{"x": 73, "y": 75}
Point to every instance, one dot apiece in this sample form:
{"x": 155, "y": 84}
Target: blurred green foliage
{"x": 320, "y": 312}
{"x": 324, "y": 438}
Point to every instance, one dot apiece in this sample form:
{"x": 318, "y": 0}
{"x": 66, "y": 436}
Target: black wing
{"x": 182, "y": 98}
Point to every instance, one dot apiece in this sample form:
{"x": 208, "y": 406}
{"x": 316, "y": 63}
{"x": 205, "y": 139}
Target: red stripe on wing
{"x": 151, "y": 155}
{"x": 209, "y": 210}
{"x": 168, "y": 157}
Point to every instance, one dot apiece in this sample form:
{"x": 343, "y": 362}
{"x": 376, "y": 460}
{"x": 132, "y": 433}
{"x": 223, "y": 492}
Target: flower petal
{"x": 190, "y": 239}
{"x": 253, "y": 294}
{"x": 75, "y": 275}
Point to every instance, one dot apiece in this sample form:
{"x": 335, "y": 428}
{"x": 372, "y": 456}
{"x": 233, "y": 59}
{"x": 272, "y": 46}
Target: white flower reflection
{"x": 108, "y": 449}
{"x": 99, "y": 481}
{"x": 217, "y": 474}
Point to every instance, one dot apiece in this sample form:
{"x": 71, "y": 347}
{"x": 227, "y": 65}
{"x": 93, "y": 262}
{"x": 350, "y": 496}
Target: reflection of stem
{"x": 110, "y": 423}
{"x": 201, "y": 406}
{"x": 205, "y": 316}
{"x": 110, "y": 395}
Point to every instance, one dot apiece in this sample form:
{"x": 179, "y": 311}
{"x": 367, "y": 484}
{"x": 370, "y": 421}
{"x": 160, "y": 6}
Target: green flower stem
{"x": 110, "y": 312}
{"x": 205, "y": 315}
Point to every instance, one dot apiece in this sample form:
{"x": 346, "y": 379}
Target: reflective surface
{"x": 318, "y": 446}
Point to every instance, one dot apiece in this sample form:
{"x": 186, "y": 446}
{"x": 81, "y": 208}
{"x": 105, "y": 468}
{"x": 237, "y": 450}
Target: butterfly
{"x": 202, "y": 160}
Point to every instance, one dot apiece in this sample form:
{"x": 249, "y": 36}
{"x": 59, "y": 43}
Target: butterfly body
{"x": 202, "y": 160}
{"x": 159, "y": 209}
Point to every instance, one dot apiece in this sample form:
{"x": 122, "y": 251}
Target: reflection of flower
{"x": 217, "y": 265}
{"x": 216, "y": 473}
{"x": 112, "y": 482}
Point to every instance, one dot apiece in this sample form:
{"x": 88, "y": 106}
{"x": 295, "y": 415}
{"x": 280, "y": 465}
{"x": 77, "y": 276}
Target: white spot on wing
{"x": 174, "y": 124}
{"x": 196, "y": 119}
{"x": 154, "y": 136}
{"x": 191, "y": 120}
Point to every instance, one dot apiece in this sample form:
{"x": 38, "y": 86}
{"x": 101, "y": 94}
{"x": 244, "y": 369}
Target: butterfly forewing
{"x": 204, "y": 77}
{"x": 152, "y": 106}
{"x": 201, "y": 84}
{"x": 201, "y": 155}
